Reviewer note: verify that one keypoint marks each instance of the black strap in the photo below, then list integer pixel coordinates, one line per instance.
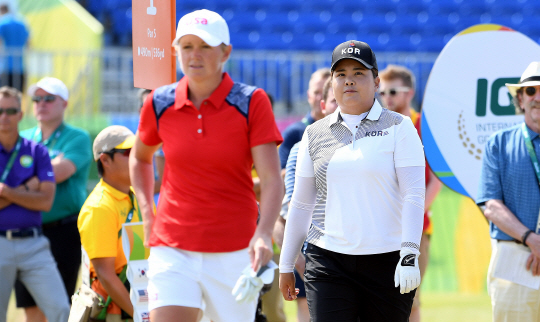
(530, 79)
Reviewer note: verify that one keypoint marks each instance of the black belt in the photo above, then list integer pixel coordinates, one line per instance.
(60, 222)
(21, 233)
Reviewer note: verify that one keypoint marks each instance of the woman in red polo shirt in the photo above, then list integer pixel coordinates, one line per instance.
(213, 130)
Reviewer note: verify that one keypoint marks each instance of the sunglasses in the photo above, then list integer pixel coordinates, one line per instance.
(46, 98)
(530, 91)
(124, 152)
(9, 110)
(394, 91)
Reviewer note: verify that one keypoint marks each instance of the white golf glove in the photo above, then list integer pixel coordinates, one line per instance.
(407, 271)
(249, 284)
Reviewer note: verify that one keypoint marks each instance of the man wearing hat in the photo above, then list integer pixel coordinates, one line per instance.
(70, 152)
(109, 205)
(509, 191)
(359, 200)
(26, 189)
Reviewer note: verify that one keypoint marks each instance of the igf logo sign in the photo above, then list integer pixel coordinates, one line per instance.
(496, 108)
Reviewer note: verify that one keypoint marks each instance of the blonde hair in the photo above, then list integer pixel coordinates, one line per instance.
(6, 91)
(392, 72)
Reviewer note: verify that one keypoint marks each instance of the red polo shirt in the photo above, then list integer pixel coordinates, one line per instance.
(207, 203)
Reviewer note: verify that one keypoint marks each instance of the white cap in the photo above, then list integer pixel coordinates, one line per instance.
(205, 24)
(52, 86)
(530, 77)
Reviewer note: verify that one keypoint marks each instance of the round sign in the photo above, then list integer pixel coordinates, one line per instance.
(466, 100)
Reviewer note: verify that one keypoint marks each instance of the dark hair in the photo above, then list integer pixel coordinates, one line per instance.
(271, 100)
(374, 72)
(141, 93)
(4, 9)
(100, 168)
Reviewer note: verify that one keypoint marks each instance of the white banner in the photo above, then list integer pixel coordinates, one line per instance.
(466, 100)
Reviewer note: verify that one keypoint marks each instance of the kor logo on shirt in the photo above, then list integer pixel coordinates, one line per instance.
(376, 133)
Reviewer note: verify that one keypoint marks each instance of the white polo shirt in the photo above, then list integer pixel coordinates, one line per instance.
(358, 206)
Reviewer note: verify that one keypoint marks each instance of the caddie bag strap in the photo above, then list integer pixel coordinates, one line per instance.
(103, 313)
(534, 160)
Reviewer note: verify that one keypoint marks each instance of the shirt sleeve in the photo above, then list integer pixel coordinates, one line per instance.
(304, 164)
(79, 150)
(408, 149)
(98, 221)
(44, 170)
(490, 178)
(290, 138)
(298, 222)
(290, 172)
(413, 192)
(148, 129)
(262, 124)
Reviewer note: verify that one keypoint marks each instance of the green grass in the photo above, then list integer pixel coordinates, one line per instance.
(439, 307)
(451, 307)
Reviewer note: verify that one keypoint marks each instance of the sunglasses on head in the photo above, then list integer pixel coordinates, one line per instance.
(9, 110)
(124, 152)
(46, 98)
(530, 91)
(393, 91)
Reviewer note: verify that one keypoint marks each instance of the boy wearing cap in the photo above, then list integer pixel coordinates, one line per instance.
(509, 190)
(359, 200)
(213, 130)
(70, 152)
(26, 189)
(108, 206)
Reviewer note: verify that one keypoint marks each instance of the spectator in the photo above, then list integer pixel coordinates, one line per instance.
(14, 35)
(359, 191)
(328, 106)
(397, 92)
(70, 152)
(509, 190)
(108, 206)
(213, 130)
(26, 189)
(293, 133)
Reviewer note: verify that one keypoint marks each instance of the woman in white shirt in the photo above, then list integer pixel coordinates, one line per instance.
(359, 199)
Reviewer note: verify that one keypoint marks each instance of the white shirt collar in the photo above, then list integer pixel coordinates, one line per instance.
(373, 114)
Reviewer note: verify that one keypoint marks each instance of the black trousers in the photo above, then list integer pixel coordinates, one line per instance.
(354, 288)
(66, 249)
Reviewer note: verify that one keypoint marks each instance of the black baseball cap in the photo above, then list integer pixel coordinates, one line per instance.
(357, 50)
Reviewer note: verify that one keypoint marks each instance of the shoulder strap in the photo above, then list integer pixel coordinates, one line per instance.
(134, 208)
(103, 312)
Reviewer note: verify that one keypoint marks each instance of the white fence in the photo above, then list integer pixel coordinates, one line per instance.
(102, 82)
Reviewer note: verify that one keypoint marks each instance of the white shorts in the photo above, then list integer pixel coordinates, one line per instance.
(183, 278)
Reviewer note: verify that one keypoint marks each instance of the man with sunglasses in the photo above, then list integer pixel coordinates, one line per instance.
(111, 204)
(70, 152)
(396, 93)
(26, 190)
(510, 192)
